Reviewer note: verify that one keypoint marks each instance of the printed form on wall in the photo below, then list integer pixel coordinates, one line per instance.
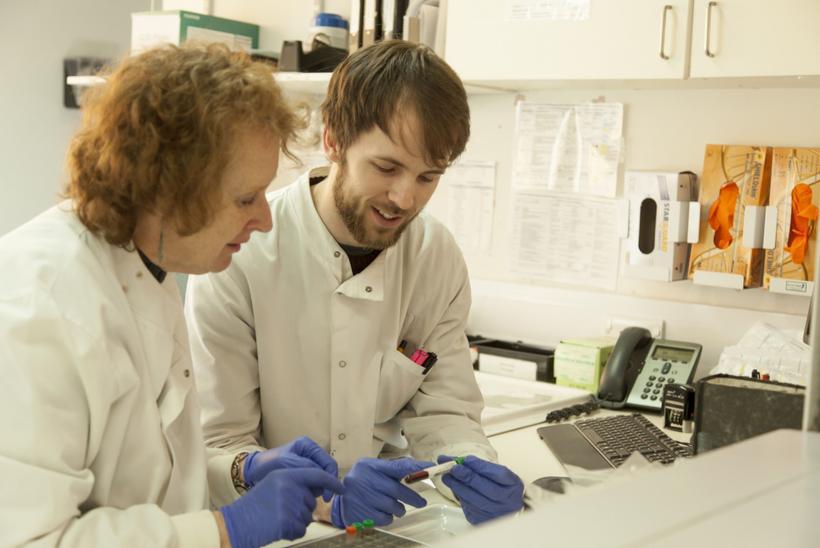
(547, 10)
(566, 239)
(566, 225)
(465, 202)
(568, 148)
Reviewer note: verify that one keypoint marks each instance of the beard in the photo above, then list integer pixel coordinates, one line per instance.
(355, 212)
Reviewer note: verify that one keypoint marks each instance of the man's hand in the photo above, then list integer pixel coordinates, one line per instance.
(484, 489)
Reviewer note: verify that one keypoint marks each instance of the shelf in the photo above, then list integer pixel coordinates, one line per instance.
(310, 83)
(84, 81)
(315, 83)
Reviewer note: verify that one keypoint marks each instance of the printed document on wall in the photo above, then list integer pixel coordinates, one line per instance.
(547, 10)
(568, 148)
(465, 201)
(566, 239)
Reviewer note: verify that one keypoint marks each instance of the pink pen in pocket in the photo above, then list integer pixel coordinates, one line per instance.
(419, 357)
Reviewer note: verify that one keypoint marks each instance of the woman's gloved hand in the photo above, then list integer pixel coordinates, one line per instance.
(280, 506)
(300, 453)
(485, 490)
(373, 490)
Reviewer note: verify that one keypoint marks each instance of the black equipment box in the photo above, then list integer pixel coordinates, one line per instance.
(729, 409)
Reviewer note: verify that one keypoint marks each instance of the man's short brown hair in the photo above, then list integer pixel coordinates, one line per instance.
(376, 83)
(158, 136)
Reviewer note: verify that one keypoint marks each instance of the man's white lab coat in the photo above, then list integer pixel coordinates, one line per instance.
(100, 441)
(287, 342)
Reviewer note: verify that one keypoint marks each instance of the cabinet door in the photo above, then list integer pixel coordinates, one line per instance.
(621, 39)
(756, 38)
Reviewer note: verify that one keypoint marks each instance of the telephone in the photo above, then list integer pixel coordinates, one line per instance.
(640, 366)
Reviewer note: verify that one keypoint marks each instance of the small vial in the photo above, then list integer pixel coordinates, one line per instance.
(432, 471)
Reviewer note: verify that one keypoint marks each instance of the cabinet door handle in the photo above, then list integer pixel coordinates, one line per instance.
(666, 9)
(709, 7)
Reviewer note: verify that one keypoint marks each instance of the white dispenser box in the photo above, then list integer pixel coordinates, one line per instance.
(661, 224)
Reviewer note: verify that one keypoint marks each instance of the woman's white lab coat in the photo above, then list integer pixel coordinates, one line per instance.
(288, 342)
(100, 442)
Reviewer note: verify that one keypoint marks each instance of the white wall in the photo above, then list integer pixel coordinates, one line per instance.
(664, 129)
(35, 128)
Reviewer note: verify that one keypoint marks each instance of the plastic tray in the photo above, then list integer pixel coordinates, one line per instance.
(431, 524)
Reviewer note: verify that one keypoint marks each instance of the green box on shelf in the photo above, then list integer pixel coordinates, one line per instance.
(152, 28)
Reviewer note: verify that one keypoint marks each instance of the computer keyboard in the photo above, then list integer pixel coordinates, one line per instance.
(619, 436)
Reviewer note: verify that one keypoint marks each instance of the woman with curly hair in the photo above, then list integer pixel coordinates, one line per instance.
(101, 441)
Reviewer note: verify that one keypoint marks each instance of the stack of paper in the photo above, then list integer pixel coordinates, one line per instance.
(782, 355)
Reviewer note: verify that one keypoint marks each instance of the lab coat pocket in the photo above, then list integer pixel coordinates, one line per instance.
(399, 380)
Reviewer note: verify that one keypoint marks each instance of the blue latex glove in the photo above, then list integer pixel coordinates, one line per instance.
(279, 507)
(373, 490)
(300, 453)
(485, 490)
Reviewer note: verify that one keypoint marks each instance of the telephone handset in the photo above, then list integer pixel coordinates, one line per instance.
(640, 366)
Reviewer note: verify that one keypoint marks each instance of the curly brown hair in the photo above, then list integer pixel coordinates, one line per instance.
(374, 84)
(158, 135)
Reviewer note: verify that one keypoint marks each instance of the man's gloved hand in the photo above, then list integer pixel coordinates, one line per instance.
(300, 453)
(279, 507)
(373, 490)
(484, 489)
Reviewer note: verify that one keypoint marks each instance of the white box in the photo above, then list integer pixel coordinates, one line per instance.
(657, 247)
(152, 28)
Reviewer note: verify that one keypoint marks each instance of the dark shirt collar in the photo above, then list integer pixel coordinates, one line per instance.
(355, 251)
(158, 273)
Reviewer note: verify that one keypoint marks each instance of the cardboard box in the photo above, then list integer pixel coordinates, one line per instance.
(580, 362)
(657, 247)
(736, 265)
(152, 28)
(791, 166)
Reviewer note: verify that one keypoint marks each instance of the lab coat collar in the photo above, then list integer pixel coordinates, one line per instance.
(368, 284)
(137, 282)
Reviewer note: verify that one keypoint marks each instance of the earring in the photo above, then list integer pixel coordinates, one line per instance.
(161, 248)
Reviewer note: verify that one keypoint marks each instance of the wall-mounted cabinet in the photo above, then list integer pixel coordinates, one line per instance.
(624, 39)
(635, 41)
(752, 38)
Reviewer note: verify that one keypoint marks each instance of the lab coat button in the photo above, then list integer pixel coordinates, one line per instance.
(336, 254)
(368, 289)
(342, 363)
(125, 288)
(342, 436)
(139, 274)
(332, 452)
(187, 373)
